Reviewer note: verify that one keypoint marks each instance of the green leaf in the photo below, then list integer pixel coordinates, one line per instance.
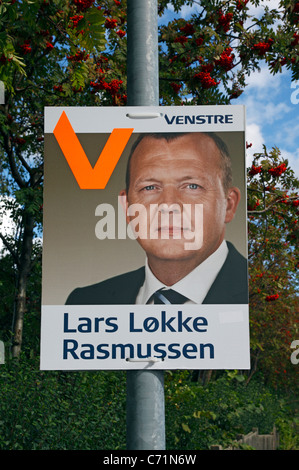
(93, 38)
(186, 427)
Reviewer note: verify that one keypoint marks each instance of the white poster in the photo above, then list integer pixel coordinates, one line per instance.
(145, 242)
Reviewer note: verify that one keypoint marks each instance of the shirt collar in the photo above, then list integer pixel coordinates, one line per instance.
(195, 285)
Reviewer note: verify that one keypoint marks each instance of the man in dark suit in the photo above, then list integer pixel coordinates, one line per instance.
(167, 172)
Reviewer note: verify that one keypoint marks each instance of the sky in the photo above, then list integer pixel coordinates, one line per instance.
(271, 101)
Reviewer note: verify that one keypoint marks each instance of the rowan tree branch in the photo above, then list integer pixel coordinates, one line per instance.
(266, 209)
(12, 161)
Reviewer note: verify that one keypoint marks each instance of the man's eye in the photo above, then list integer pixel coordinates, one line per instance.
(150, 187)
(193, 186)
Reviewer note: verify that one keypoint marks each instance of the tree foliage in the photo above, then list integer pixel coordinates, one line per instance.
(273, 206)
(209, 57)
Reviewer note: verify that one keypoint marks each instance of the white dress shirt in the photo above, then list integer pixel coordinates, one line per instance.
(194, 286)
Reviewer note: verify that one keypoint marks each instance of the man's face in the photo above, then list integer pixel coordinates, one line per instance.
(165, 177)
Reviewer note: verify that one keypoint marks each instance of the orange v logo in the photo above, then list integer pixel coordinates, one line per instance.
(86, 176)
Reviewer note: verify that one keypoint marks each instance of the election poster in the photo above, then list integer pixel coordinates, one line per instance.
(145, 239)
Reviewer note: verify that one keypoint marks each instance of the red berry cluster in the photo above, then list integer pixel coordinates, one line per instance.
(188, 29)
(181, 39)
(206, 68)
(176, 87)
(224, 20)
(254, 170)
(83, 5)
(206, 80)
(270, 298)
(4, 59)
(263, 47)
(26, 47)
(199, 41)
(278, 170)
(241, 4)
(110, 23)
(226, 59)
(120, 33)
(75, 20)
(49, 46)
(295, 41)
(112, 87)
(58, 88)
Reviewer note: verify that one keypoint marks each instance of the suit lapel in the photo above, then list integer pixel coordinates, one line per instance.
(125, 292)
(231, 283)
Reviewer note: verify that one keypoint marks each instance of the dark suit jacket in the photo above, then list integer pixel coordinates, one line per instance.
(229, 287)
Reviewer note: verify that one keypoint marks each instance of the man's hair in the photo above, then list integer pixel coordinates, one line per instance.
(170, 136)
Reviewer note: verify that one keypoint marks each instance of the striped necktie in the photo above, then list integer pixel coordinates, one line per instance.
(168, 296)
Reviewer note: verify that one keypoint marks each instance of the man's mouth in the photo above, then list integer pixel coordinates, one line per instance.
(172, 230)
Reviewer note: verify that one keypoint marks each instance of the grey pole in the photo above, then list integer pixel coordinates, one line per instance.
(142, 53)
(145, 389)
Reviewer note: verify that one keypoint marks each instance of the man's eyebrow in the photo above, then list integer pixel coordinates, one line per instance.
(185, 178)
(192, 178)
(147, 179)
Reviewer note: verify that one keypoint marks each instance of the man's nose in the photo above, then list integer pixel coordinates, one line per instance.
(169, 199)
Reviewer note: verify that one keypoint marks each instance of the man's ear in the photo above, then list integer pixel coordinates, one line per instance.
(124, 201)
(232, 201)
